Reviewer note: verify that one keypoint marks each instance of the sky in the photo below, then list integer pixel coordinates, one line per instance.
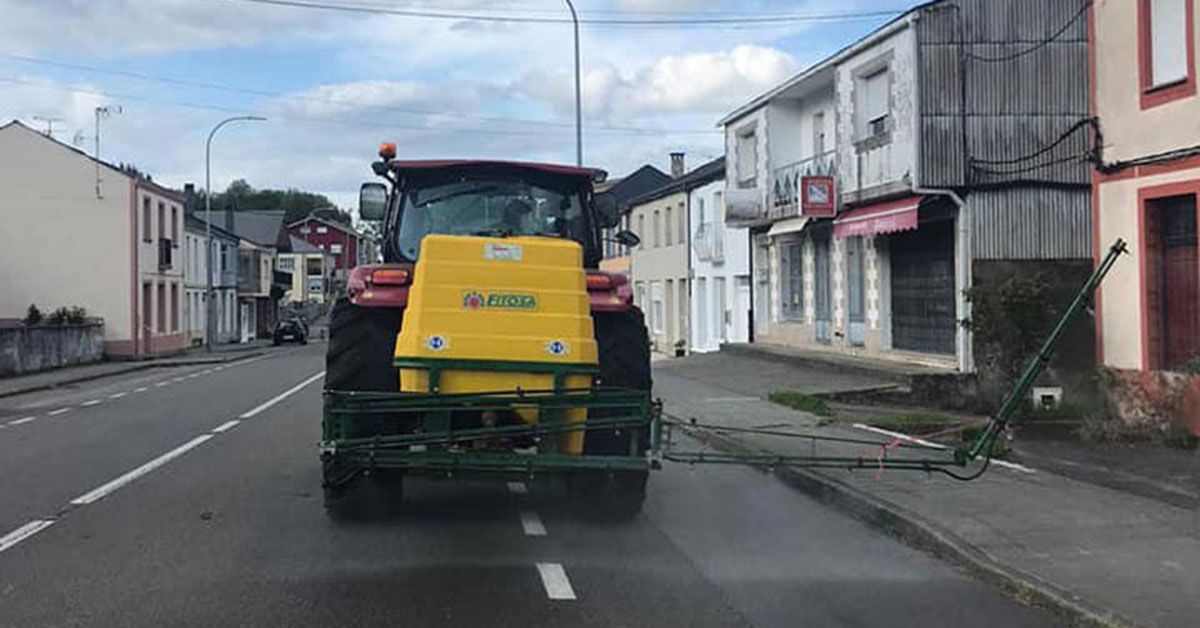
(333, 84)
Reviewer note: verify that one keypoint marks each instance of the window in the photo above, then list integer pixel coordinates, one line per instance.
(162, 220)
(335, 248)
(162, 308)
(287, 264)
(174, 307)
(669, 310)
(305, 230)
(818, 134)
(791, 271)
(313, 267)
(667, 226)
(682, 314)
(322, 229)
(718, 228)
(175, 225)
(146, 233)
(642, 230)
(1166, 51)
(657, 228)
(747, 158)
(872, 104)
(700, 211)
(682, 223)
(656, 307)
(641, 295)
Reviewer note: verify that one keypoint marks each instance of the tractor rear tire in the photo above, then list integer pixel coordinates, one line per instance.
(362, 342)
(624, 348)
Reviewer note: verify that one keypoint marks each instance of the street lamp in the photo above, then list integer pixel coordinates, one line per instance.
(208, 293)
(578, 92)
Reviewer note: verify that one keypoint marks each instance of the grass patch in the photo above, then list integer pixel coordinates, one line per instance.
(800, 401)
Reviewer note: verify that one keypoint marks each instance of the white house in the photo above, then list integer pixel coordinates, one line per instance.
(195, 278)
(720, 269)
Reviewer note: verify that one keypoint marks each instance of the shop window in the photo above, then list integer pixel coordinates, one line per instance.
(1172, 282)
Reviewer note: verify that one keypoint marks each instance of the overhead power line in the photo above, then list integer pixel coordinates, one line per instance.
(170, 80)
(528, 18)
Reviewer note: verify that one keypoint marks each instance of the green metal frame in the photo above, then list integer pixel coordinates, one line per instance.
(884, 458)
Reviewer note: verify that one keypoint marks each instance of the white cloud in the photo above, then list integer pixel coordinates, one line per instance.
(702, 82)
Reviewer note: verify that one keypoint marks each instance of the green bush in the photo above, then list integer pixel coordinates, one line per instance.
(799, 401)
(74, 315)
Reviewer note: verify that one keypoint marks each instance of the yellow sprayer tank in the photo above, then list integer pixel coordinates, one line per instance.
(498, 314)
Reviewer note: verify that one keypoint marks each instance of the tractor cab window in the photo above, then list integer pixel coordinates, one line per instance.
(488, 208)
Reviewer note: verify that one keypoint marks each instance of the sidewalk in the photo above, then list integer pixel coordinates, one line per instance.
(1096, 555)
(44, 380)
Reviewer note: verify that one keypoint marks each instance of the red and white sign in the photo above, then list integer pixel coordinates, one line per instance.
(818, 196)
(888, 217)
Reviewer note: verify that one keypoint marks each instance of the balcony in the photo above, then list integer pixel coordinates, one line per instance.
(785, 184)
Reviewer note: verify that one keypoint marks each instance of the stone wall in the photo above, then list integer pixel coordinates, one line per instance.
(30, 349)
(1153, 403)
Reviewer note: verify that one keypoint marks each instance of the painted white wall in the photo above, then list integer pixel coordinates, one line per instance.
(652, 265)
(892, 162)
(63, 246)
(708, 315)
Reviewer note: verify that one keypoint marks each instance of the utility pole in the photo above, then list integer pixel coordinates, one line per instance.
(578, 92)
(209, 319)
(102, 112)
(49, 124)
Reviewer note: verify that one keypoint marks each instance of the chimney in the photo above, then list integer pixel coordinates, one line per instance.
(189, 198)
(677, 167)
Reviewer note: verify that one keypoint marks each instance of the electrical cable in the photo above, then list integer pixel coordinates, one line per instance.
(1041, 151)
(1038, 46)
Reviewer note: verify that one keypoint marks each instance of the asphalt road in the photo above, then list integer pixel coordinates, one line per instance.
(145, 504)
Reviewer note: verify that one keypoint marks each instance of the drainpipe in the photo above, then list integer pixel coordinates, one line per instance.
(963, 253)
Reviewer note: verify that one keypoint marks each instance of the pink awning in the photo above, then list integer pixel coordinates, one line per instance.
(886, 217)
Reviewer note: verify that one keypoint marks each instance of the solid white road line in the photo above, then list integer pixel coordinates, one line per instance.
(281, 396)
(140, 389)
(925, 443)
(90, 403)
(532, 523)
(554, 579)
(518, 488)
(22, 421)
(24, 532)
(58, 412)
(226, 426)
(117, 395)
(101, 491)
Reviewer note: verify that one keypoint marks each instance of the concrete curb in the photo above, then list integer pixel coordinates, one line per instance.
(131, 368)
(923, 534)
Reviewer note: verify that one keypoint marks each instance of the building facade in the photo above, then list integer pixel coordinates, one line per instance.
(311, 270)
(195, 273)
(720, 269)
(617, 258)
(1148, 181)
(882, 182)
(115, 237)
(340, 241)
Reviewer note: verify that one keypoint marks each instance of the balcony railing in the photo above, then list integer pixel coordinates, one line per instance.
(785, 184)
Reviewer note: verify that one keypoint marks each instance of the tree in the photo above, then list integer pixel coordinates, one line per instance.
(296, 204)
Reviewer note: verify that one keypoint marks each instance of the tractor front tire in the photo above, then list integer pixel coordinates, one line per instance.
(624, 348)
(362, 341)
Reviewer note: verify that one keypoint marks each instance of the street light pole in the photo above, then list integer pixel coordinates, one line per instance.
(578, 91)
(208, 256)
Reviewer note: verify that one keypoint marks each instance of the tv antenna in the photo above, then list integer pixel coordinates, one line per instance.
(102, 112)
(49, 122)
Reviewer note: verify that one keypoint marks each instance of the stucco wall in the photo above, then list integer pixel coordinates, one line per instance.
(734, 264)
(1128, 130)
(63, 246)
(1121, 306)
(31, 349)
(650, 263)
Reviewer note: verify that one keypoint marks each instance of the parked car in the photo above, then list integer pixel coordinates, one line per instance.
(291, 329)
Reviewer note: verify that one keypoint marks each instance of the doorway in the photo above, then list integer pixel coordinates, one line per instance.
(821, 300)
(1173, 282)
(856, 327)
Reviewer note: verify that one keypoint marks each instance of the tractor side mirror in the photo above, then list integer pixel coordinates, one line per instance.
(608, 215)
(627, 238)
(372, 201)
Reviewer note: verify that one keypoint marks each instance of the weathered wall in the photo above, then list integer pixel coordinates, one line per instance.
(30, 349)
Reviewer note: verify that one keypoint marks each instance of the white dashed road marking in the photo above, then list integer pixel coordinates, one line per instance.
(226, 426)
(161, 384)
(93, 402)
(58, 412)
(518, 488)
(554, 579)
(24, 532)
(532, 524)
(140, 389)
(117, 395)
(22, 421)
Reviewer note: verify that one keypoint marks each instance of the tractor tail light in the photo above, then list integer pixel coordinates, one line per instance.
(599, 283)
(391, 277)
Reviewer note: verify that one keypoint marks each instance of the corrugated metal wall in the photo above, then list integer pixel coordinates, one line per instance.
(1013, 108)
(1031, 223)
